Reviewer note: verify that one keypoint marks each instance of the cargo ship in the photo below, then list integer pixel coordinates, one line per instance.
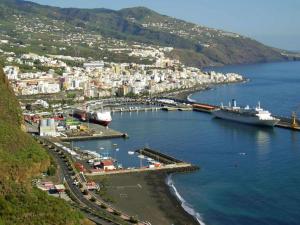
(101, 117)
(203, 107)
(254, 116)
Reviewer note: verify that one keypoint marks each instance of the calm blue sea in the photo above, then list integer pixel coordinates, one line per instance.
(256, 188)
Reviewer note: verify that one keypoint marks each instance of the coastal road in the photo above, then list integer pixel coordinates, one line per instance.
(90, 207)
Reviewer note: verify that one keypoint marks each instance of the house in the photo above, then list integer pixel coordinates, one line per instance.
(92, 185)
(60, 188)
(46, 186)
(79, 167)
(107, 165)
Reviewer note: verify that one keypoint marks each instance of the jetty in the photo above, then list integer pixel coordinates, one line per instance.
(163, 161)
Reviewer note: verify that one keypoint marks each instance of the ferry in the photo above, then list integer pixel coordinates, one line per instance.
(255, 116)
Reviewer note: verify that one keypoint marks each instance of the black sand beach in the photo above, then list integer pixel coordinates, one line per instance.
(147, 197)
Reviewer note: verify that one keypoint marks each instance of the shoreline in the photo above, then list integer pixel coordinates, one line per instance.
(147, 194)
(185, 93)
(191, 211)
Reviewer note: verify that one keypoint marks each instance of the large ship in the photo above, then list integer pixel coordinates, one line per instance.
(254, 116)
(102, 117)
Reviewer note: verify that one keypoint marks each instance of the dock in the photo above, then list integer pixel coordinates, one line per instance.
(169, 164)
(177, 109)
(158, 156)
(120, 110)
(285, 122)
(96, 132)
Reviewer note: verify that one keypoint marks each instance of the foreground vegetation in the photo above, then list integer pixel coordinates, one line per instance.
(20, 160)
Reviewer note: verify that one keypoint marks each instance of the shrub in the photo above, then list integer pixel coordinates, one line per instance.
(103, 206)
(117, 213)
(133, 220)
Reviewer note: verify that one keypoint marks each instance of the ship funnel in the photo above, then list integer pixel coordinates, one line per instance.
(233, 103)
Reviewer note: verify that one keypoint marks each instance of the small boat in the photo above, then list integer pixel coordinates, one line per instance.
(141, 156)
(150, 159)
(120, 166)
(130, 153)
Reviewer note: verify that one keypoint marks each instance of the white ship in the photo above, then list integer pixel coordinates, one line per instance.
(255, 116)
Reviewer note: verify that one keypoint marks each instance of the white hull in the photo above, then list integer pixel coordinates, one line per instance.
(102, 117)
(237, 117)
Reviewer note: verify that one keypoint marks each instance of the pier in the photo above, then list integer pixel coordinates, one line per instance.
(135, 109)
(160, 157)
(169, 164)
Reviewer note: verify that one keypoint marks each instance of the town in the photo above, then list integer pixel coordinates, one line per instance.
(96, 79)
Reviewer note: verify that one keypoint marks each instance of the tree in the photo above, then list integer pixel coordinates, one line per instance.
(51, 171)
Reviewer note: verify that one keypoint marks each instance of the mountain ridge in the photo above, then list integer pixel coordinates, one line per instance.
(209, 47)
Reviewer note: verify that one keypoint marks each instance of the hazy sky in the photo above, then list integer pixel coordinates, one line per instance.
(273, 22)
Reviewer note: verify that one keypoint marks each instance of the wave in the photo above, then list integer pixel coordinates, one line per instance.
(187, 207)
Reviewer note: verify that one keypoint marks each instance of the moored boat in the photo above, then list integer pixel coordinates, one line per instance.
(101, 117)
(254, 116)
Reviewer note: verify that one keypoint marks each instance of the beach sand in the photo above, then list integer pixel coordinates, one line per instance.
(147, 197)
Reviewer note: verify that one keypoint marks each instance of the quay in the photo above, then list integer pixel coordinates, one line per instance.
(177, 108)
(285, 122)
(168, 163)
(93, 137)
(91, 132)
(171, 168)
(135, 109)
(96, 132)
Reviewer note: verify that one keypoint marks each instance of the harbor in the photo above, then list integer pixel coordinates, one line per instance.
(85, 170)
(127, 181)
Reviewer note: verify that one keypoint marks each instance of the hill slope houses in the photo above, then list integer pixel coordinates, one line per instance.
(195, 45)
(21, 159)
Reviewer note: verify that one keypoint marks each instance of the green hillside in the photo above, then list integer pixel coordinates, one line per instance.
(20, 160)
(206, 45)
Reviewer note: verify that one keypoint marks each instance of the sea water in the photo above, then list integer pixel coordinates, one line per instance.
(249, 175)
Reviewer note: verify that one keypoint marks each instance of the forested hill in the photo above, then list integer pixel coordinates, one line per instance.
(20, 160)
(194, 44)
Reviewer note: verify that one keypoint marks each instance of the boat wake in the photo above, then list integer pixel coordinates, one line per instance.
(190, 99)
(188, 208)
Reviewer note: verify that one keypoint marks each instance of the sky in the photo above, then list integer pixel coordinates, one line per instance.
(272, 22)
